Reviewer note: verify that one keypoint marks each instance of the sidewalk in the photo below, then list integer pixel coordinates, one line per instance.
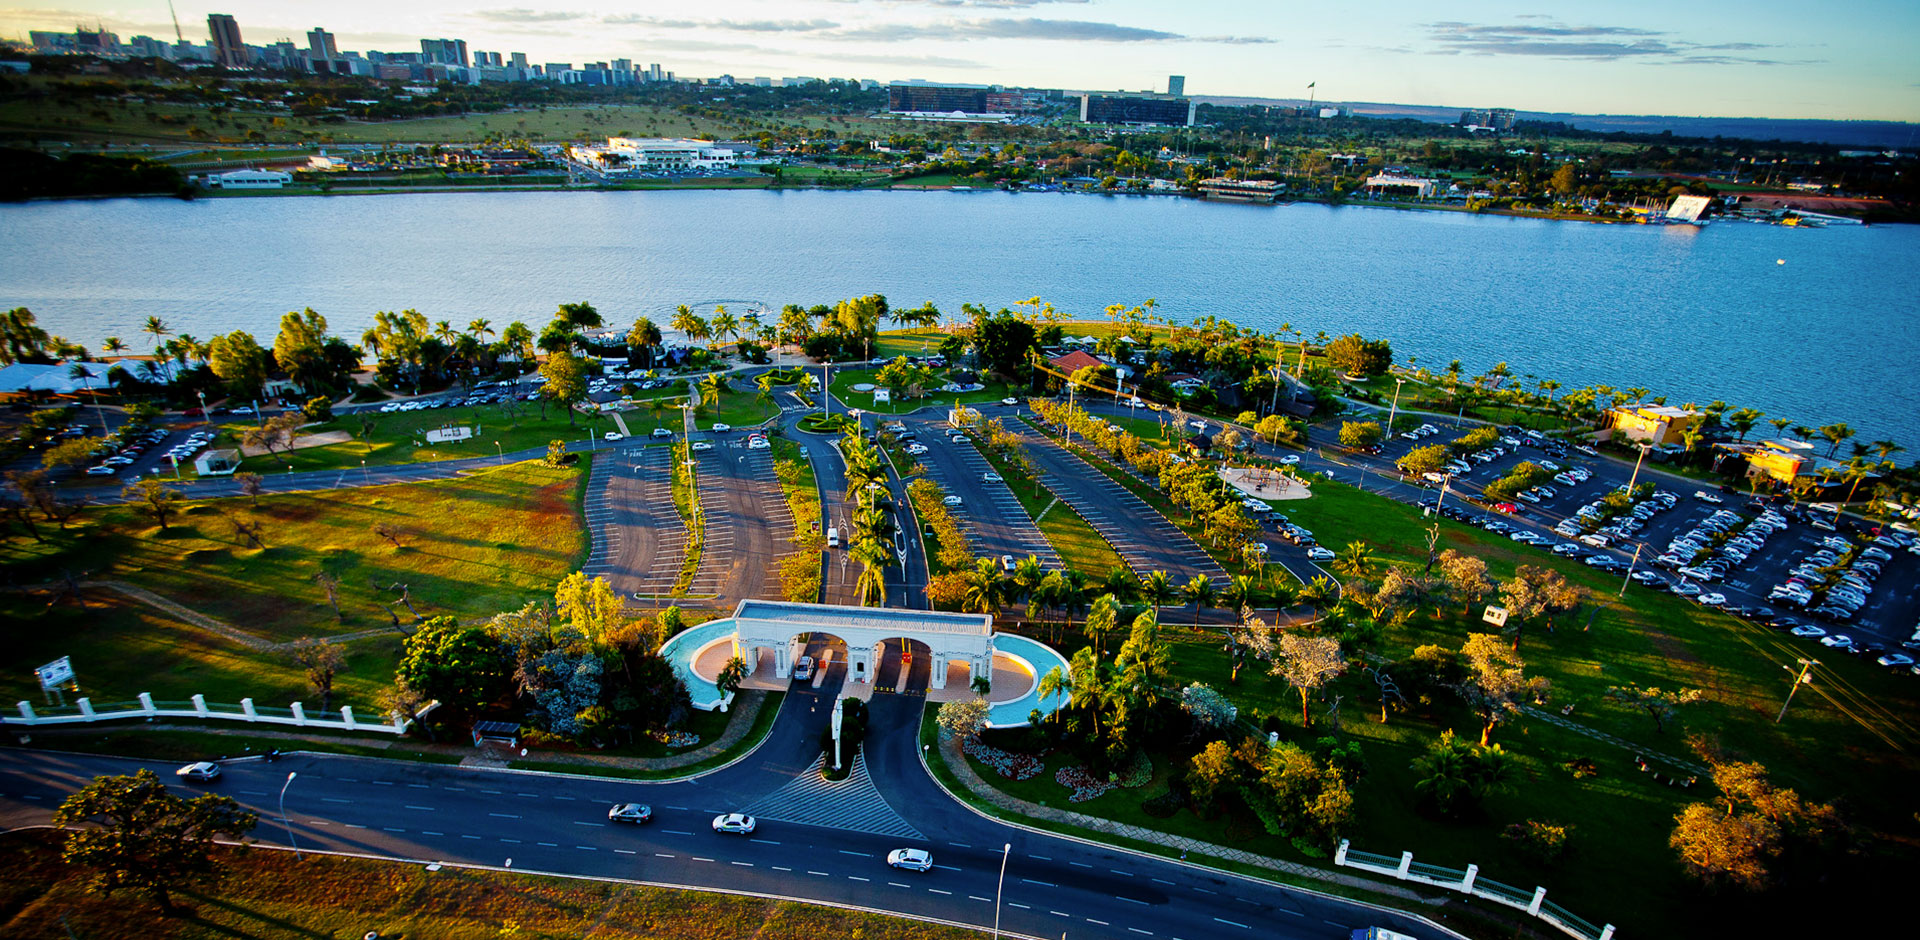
(951, 755)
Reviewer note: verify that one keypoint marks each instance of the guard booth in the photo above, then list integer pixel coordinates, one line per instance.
(499, 732)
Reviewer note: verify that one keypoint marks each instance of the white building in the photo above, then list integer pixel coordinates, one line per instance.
(249, 179)
(1395, 183)
(655, 154)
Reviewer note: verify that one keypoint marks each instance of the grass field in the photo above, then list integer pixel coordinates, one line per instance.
(137, 740)
(468, 547)
(1079, 546)
(741, 408)
(400, 436)
(279, 894)
(1852, 742)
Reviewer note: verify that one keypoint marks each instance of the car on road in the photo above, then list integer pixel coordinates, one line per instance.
(1290, 459)
(1321, 553)
(200, 772)
(757, 443)
(1714, 599)
(702, 445)
(722, 428)
(102, 471)
(613, 436)
(1006, 563)
(738, 823)
(1706, 497)
(803, 668)
(1808, 631)
(1009, 401)
(1895, 660)
(910, 859)
(636, 813)
(952, 501)
(1838, 641)
(990, 477)
(662, 432)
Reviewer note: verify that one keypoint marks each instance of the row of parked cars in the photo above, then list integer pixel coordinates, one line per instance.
(127, 447)
(1593, 515)
(1834, 580)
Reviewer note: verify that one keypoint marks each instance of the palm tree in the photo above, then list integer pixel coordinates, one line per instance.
(81, 372)
(873, 556)
(1201, 592)
(1835, 434)
(1241, 591)
(1886, 448)
(157, 328)
(1284, 595)
(1318, 592)
(1055, 682)
(480, 328)
(725, 325)
(1120, 583)
(656, 406)
(1157, 589)
(985, 589)
(1027, 575)
(112, 345)
(644, 335)
(1356, 560)
(1780, 424)
(1089, 684)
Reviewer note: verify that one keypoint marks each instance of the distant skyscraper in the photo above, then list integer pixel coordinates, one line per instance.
(227, 47)
(445, 51)
(1176, 85)
(519, 59)
(320, 44)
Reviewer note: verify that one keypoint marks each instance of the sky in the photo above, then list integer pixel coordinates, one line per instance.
(1854, 59)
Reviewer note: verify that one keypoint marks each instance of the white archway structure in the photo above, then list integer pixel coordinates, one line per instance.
(778, 626)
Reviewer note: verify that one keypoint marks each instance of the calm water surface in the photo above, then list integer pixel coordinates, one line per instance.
(1831, 334)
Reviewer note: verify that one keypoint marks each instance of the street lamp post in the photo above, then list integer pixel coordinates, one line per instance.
(1005, 850)
(502, 452)
(1391, 412)
(283, 811)
(1801, 678)
(1644, 447)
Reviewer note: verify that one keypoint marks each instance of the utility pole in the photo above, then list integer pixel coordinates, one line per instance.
(1398, 381)
(1629, 578)
(1799, 680)
(1644, 447)
(1005, 850)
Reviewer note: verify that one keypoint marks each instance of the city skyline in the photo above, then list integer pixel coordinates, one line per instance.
(1713, 58)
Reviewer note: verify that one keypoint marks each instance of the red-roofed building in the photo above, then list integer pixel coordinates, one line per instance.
(1074, 361)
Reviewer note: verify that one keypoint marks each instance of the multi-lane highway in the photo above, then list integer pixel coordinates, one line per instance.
(815, 840)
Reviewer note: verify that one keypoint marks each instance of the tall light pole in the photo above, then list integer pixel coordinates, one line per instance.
(1644, 447)
(283, 811)
(1801, 678)
(1398, 381)
(501, 451)
(1005, 850)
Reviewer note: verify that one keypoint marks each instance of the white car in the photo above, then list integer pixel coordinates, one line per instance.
(661, 432)
(1808, 631)
(636, 813)
(102, 471)
(952, 501)
(201, 772)
(1712, 600)
(1006, 563)
(613, 436)
(916, 449)
(990, 477)
(1320, 553)
(1838, 641)
(1706, 497)
(739, 823)
(911, 859)
(803, 668)
(1895, 659)
(1009, 401)
(758, 443)
(702, 445)
(1290, 459)
(722, 428)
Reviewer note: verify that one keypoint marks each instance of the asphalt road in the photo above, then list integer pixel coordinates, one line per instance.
(992, 518)
(815, 840)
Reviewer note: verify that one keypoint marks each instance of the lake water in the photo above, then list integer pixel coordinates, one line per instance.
(1815, 325)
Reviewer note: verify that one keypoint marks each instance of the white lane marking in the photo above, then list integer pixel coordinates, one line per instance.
(938, 891)
(1205, 891)
(1119, 872)
(625, 852)
(381, 783)
(1100, 922)
(1019, 905)
(348, 779)
(861, 854)
(1294, 913)
(699, 859)
(494, 792)
(256, 792)
(664, 855)
(1334, 924)
(1048, 884)
(1134, 900)
(551, 845)
(469, 837)
(1163, 881)
(529, 795)
(504, 815)
(355, 826)
(898, 884)
(454, 789)
(857, 878)
(742, 864)
(1080, 864)
(1138, 930)
(1230, 923)
(764, 841)
(569, 798)
(1043, 858)
(975, 897)
(781, 868)
(328, 799)
(820, 873)
(676, 807)
(1061, 914)
(318, 822)
(947, 867)
(514, 841)
(595, 825)
(677, 832)
(587, 848)
(428, 809)
(960, 845)
(392, 829)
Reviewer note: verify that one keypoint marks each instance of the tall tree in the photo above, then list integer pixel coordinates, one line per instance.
(1307, 663)
(566, 381)
(138, 836)
(321, 660)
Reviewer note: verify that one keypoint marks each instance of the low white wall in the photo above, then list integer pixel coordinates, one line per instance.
(84, 713)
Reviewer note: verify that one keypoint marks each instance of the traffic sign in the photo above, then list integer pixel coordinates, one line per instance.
(55, 674)
(1495, 615)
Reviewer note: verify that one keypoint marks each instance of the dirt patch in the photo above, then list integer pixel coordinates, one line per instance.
(305, 441)
(1671, 649)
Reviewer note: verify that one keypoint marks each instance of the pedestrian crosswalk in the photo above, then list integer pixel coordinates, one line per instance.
(852, 804)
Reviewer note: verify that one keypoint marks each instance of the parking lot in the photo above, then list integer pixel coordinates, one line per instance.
(1889, 605)
(989, 514)
(639, 539)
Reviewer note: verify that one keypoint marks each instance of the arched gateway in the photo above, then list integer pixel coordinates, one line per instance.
(779, 628)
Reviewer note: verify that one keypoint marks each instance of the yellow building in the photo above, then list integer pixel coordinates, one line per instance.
(1654, 424)
(1787, 461)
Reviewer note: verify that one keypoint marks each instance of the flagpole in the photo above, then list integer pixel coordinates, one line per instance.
(1310, 94)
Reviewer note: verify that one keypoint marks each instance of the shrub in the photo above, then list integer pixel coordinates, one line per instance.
(1162, 805)
(1544, 842)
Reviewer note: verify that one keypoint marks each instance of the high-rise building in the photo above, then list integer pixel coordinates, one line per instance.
(1136, 109)
(227, 47)
(1176, 85)
(917, 95)
(444, 51)
(320, 44)
(517, 59)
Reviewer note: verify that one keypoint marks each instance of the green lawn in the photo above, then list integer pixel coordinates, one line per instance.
(741, 408)
(469, 547)
(228, 739)
(1079, 546)
(400, 437)
(909, 343)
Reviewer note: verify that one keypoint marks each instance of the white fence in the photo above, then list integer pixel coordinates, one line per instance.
(1469, 881)
(84, 712)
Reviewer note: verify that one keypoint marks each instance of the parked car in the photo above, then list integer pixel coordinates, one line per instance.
(990, 477)
(1321, 553)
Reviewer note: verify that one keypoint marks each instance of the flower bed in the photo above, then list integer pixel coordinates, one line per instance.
(1085, 785)
(1009, 764)
(676, 739)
